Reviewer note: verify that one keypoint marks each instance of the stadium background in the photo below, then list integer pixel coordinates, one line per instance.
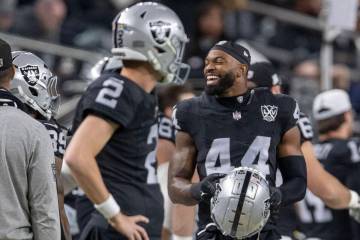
(72, 35)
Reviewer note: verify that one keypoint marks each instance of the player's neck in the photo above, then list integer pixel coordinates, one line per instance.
(234, 92)
(141, 76)
(341, 133)
(5, 85)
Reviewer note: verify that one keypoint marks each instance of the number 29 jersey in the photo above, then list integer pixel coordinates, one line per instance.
(234, 132)
(127, 162)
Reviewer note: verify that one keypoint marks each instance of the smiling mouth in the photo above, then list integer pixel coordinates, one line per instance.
(212, 79)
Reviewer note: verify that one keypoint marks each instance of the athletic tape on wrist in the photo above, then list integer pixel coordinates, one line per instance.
(176, 237)
(109, 208)
(354, 200)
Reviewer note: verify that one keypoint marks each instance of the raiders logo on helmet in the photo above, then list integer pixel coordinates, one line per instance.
(160, 31)
(31, 74)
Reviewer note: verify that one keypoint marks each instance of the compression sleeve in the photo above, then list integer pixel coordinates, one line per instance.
(293, 170)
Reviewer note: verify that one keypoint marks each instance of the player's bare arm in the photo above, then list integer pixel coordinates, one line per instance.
(322, 183)
(164, 151)
(292, 166)
(181, 170)
(87, 142)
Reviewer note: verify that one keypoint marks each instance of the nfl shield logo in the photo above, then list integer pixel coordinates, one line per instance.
(31, 74)
(236, 115)
(269, 112)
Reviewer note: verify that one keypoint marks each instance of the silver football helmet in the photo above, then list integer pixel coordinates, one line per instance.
(34, 84)
(240, 207)
(105, 64)
(152, 32)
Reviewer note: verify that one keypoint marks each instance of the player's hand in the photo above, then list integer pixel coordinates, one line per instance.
(205, 189)
(209, 232)
(275, 200)
(127, 225)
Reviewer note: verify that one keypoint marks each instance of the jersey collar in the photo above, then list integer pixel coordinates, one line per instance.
(8, 99)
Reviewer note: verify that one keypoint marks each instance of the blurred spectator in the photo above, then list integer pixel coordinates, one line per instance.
(85, 19)
(306, 83)
(7, 14)
(304, 86)
(42, 20)
(209, 30)
(309, 7)
(303, 41)
(341, 77)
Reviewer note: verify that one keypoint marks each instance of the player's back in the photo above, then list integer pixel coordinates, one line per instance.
(127, 161)
(339, 157)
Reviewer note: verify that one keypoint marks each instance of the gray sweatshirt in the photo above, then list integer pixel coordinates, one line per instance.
(28, 198)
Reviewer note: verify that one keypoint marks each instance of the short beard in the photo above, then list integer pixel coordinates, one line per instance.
(223, 84)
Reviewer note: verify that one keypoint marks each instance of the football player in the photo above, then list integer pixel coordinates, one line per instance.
(35, 85)
(340, 155)
(178, 219)
(229, 126)
(320, 182)
(112, 152)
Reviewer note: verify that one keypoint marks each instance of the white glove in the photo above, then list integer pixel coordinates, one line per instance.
(354, 206)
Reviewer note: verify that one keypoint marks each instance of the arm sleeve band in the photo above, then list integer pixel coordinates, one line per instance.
(293, 170)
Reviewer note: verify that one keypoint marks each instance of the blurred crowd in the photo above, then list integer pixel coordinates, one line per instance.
(85, 24)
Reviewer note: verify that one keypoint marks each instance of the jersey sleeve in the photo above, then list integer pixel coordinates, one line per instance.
(290, 113)
(166, 129)
(112, 99)
(181, 117)
(305, 127)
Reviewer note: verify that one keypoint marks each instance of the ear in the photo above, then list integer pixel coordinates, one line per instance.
(13, 72)
(168, 112)
(242, 71)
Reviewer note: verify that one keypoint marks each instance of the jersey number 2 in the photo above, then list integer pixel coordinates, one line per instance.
(218, 157)
(111, 90)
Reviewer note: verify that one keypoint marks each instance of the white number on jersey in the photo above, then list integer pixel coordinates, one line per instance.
(305, 127)
(313, 210)
(165, 128)
(150, 161)
(111, 90)
(58, 141)
(354, 149)
(218, 157)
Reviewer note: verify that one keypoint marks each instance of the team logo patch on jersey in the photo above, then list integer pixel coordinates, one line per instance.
(236, 115)
(31, 74)
(160, 31)
(269, 112)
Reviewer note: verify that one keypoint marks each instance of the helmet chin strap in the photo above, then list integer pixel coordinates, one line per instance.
(33, 105)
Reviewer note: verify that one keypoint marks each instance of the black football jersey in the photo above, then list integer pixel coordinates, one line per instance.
(127, 162)
(166, 128)
(342, 159)
(58, 136)
(233, 132)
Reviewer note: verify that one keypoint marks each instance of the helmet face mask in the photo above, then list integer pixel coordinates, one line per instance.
(34, 84)
(152, 32)
(241, 210)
